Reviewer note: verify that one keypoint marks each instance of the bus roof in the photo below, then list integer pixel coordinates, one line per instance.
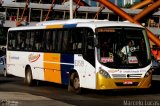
(70, 21)
(93, 23)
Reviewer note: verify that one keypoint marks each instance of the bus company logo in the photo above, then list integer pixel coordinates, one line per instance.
(33, 57)
(13, 57)
(112, 71)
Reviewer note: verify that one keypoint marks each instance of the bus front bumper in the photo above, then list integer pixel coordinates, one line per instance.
(104, 83)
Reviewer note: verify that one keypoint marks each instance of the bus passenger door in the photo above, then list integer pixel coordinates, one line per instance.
(79, 66)
(89, 56)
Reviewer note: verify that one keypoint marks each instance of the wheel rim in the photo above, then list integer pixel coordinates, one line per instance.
(76, 83)
(5, 73)
(28, 77)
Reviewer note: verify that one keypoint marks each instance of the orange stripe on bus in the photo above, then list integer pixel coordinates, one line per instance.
(54, 26)
(52, 71)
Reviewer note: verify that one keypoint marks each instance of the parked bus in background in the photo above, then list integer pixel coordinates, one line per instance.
(81, 53)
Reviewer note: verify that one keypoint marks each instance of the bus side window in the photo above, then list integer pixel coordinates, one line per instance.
(19, 34)
(77, 46)
(53, 40)
(77, 41)
(38, 40)
(90, 46)
(22, 40)
(27, 42)
(12, 41)
(70, 42)
(65, 40)
(32, 40)
(59, 39)
(48, 40)
(46, 43)
(90, 39)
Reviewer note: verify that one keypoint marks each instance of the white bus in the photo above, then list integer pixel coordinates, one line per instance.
(81, 53)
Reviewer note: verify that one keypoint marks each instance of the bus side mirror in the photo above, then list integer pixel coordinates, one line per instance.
(95, 42)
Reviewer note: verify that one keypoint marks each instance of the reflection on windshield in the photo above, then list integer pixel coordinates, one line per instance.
(122, 47)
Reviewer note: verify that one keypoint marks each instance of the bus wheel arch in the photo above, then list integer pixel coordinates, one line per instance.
(74, 82)
(28, 76)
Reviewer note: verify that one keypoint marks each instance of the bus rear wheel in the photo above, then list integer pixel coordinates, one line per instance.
(74, 83)
(28, 77)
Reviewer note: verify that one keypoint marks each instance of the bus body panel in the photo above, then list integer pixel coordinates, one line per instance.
(14, 66)
(134, 78)
(108, 83)
(36, 64)
(124, 73)
(86, 72)
(19, 60)
(67, 64)
(52, 67)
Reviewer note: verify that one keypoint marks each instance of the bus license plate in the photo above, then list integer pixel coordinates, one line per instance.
(127, 82)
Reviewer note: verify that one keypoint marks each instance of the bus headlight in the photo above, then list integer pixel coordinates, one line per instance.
(149, 72)
(104, 73)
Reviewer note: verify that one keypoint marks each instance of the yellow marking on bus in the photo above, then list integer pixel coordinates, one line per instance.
(52, 71)
(54, 26)
(109, 83)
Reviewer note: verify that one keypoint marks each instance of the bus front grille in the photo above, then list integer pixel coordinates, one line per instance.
(119, 75)
(126, 75)
(134, 75)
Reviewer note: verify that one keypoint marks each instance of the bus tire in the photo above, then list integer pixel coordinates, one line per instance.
(74, 83)
(28, 77)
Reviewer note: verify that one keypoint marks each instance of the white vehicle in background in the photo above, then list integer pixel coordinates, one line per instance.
(3, 63)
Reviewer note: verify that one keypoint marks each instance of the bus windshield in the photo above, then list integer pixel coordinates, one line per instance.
(123, 47)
